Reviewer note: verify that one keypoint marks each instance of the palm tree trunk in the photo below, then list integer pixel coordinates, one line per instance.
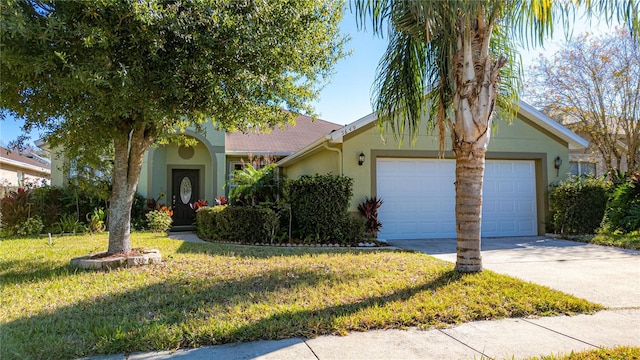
(469, 179)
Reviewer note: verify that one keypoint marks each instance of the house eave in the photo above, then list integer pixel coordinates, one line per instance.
(574, 141)
(22, 165)
(304, 152)
(247, 153)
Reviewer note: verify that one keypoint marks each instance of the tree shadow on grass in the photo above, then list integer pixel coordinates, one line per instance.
(190, 312)
(12, 272)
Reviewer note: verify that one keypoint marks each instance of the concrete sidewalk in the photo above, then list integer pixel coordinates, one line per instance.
(502, 339)
(605, 275)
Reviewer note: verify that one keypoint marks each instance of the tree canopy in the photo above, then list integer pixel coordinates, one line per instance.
(84, 65)
(120, 74)
(592, 85)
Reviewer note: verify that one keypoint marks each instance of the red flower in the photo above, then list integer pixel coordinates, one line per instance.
(221, 200)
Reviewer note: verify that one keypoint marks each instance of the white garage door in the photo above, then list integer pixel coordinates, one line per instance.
(419, 198)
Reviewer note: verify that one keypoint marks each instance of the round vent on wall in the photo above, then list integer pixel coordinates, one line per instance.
(186, 152)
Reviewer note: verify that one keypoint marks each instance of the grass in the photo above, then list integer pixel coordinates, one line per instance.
(627, 241)
(207, 294)
(618, 353)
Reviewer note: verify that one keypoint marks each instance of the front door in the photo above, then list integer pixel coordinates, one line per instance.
(185, 191)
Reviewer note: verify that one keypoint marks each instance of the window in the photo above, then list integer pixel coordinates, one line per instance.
(233, 166)
(578, 168)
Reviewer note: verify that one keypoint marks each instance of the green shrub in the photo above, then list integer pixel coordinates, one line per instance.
(353, 230)
(74, 200)
(207, 222)
(578, 205)
(623, 210)
(33, 226)
(55, 206)
(139, 212)
(48, 206)
(319, 205)
(243, 224)
(70, 224)
(159, 221)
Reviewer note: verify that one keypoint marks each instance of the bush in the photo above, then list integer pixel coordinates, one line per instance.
(70, 224)
(353, 230)
(578, 205)
(16, 209)
(33, 226)
(623, 210)
(369, 210)
(319, 205)
(159, 221)
(139, 212)
(247, 225)
(49, 207)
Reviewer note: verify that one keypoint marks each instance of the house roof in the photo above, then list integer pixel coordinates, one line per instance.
(13, 158)
(282, 142)
(574, 141)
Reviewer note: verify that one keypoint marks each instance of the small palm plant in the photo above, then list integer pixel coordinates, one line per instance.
(369, 209)
(253, 186)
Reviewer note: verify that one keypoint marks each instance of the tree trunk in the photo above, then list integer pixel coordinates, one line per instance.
(129, 151)
(474, 99)
(469, 179)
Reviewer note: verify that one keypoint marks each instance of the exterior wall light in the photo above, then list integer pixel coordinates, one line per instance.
(361, 159)
(556, 164)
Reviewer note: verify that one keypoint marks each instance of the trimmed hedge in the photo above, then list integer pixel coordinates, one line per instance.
(578, 205)
(243, 224)
(319, 205)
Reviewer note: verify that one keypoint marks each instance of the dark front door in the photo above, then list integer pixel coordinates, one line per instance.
(185, 191)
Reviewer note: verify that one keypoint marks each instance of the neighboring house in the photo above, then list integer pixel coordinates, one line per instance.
(589, 161)
(187, 174)
(418, 188)
(17, 170)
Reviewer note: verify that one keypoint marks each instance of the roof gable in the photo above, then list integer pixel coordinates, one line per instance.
(526, 110)
(574, 141)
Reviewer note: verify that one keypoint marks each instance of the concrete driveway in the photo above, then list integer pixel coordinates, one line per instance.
(605, 275)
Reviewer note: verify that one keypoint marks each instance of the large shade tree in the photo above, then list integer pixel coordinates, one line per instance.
(113, 76)
(454, 64)
(592, 85)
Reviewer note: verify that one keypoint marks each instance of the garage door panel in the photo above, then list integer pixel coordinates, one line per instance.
(419, 198)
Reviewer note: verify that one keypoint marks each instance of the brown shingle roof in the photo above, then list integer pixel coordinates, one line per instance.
(281, 141)
(15, 156)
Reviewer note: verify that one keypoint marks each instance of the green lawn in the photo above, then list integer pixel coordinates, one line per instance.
(205, 294)
(618, 353)
(627, 241)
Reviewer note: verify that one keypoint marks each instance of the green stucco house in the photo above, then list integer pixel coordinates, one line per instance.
(417, 187)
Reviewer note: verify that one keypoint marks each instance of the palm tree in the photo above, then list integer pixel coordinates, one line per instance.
(455, 63)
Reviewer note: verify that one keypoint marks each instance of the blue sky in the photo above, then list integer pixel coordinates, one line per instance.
(348, 95)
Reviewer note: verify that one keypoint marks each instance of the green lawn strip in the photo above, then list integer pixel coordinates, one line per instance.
(617, 353)
(627, 241)
(206, 294)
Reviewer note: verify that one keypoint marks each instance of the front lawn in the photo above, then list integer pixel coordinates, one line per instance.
(627, 241)
(206, 294)
(618, 353)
